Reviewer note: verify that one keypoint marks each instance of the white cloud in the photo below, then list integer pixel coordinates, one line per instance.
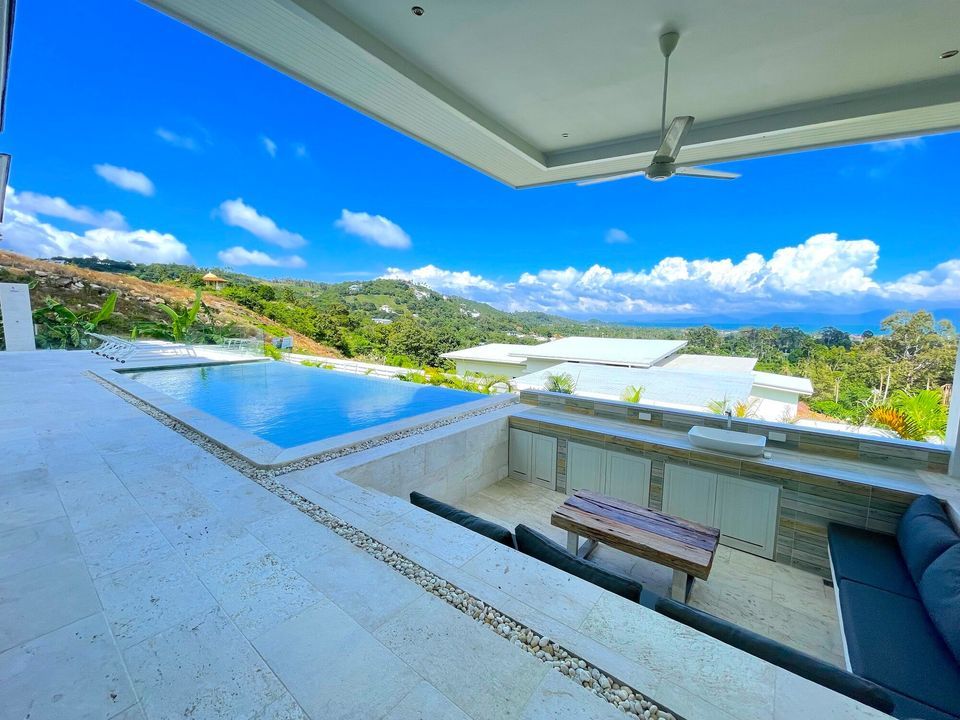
(897, 144)
(269, 145)
(181, 141)
(37, 204)
(238, 214)
(461, 282)
(300, 150)
(24, 233)
(238, 256)
(616, 236)
(823, 273)
(375, 229)
(126, 179)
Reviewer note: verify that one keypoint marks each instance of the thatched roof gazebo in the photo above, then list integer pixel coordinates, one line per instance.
(215, 280)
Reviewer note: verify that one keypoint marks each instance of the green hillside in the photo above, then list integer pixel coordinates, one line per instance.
(384, 320)
(900, 378)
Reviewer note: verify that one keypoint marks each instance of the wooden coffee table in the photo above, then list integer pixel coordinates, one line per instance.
(688, 548)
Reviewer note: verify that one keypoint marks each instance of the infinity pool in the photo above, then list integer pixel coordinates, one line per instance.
(291, 405)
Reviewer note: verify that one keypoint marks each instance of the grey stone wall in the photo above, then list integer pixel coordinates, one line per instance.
(888, 451)
(449, 464)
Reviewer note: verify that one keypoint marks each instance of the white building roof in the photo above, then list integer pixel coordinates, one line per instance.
(607, 351)
(661, 385)
(492, 352)
(800, 385)
(586, 100)
(709, 363)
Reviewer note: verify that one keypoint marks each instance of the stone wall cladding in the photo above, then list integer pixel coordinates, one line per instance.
(899, 453)
(450, 467)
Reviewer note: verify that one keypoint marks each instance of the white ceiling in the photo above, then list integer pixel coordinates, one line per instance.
(496, 83)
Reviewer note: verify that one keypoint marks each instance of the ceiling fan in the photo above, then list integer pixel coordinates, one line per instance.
(671, 138)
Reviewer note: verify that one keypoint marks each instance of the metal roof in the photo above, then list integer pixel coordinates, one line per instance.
(711, 363)
(800, 385)
(491, 352)
(610, 351)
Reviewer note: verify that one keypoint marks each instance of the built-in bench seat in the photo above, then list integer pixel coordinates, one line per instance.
(899, 605)
(470, 521)
(542, 548)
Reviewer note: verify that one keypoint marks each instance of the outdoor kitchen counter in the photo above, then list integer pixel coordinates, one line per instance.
(783, 463)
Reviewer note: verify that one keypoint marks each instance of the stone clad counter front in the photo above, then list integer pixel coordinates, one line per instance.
(805, 500)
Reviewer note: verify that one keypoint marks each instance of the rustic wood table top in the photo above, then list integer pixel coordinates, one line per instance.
(664, 539)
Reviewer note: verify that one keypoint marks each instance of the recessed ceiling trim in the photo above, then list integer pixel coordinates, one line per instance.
(320, 46)
(931, 93)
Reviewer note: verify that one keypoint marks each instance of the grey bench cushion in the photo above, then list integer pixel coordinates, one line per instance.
(940, 593)
(870, 558)
(462, 517)
(910, 709)
(924, 533)
(891, 641)
(775, 653)
(538, 546)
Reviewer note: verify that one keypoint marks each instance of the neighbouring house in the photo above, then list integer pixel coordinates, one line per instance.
(491, 359)
(604, 367)
(214, 281)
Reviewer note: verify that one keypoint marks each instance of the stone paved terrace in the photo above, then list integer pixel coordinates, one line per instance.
(787, 604)
(141, 577)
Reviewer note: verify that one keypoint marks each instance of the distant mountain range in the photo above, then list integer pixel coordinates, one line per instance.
(808, 322)
(399, 295)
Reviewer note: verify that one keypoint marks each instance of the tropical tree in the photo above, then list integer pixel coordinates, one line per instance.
(632, 393)
(913, 416)
(59, 326)
(560, 383)
(738, 408)
(177, 325)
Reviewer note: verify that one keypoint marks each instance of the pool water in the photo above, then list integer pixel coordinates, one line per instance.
(290, 405)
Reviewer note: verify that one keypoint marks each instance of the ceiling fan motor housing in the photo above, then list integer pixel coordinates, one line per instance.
(659, 171)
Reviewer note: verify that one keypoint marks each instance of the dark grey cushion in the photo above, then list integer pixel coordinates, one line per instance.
(775, 653)
(538, 546)
(924, 533)
(910, 709)
(462, 517)
(870, 558)
(891, 641)
(940, 593)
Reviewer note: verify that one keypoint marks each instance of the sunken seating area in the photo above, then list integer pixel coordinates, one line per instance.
(899, 604)
(773, 652)
(540, 547)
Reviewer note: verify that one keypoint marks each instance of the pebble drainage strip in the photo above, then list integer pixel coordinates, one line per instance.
(631, 701)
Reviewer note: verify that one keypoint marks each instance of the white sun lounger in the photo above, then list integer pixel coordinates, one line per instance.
(119, 350)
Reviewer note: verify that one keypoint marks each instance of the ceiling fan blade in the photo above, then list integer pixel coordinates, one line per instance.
(672, 139)
(609, 178)
(704, 173)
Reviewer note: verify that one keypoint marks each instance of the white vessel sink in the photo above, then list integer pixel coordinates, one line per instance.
(728, 441)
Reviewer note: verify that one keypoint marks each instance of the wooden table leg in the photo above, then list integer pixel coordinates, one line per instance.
(681, 586)
(573, 542)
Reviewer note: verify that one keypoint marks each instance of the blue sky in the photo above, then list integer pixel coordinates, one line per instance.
(230, 162)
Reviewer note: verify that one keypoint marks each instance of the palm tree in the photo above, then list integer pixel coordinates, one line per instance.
(913, 416)
(740, 408)
(632, 393)
(560, 383)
